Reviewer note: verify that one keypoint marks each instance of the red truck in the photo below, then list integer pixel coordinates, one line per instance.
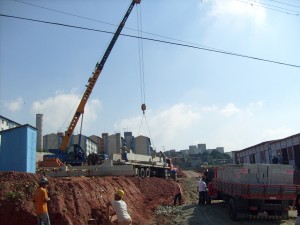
(263, 191)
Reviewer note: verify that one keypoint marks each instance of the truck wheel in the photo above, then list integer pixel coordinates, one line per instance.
(285, 214)
(142, 172)
(208, 200)
(137, 172)
(232, 209)
(165, 174)
(148, 171)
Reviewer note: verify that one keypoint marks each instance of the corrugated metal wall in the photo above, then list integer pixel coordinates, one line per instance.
(18, 149)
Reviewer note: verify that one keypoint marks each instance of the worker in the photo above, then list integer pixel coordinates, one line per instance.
(40, 199)
(173, 174)
(280, 159)
(178, 192)
(120, 209)
(275, 160)
(201, 189)
(297, 207)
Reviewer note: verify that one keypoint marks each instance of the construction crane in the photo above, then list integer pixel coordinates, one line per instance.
(79, 155)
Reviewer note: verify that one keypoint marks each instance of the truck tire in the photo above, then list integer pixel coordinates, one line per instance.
(165, 174)
(148, 172)
(137, 172)
(285, 213)
(93, 159)
(142, 172)
(232, 209)
(208, 199)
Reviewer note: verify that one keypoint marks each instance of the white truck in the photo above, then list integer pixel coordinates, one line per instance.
(145, 166)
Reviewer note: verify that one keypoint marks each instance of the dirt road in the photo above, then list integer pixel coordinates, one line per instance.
(192, 214)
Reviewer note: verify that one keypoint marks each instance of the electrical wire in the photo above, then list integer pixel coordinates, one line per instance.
(270, 7)
(160, 41)
(156, 35)
(87, 18)
(283, 3)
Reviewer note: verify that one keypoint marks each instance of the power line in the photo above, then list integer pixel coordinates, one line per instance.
(275, 6)
(87, 18)
(270, 7)
(66, 13)
(157, 40)
(283, 3)
(144, 32)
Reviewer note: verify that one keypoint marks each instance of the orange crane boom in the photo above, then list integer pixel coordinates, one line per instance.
(92, 80)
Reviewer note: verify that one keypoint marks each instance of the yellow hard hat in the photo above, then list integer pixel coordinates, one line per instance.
(120, 193)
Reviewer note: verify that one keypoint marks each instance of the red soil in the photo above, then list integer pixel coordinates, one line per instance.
(76, 200)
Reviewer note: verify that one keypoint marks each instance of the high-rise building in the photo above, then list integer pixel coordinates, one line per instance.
(143, 145)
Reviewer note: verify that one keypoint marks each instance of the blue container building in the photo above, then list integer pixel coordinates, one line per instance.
(18, 149)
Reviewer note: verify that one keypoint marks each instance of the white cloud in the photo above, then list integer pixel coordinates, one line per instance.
(255, 107)
(277, 133)
(212, 108)
(15, 105)
(176, 127)
(182, 125)
(237, 11)
(229, 110)
(59, 110)
(166, 125)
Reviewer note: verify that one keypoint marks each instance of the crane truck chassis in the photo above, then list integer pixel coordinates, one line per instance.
(130, 164)
(251, 199)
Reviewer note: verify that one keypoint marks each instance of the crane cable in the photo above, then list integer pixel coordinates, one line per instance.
(141, 58)
(142, 69)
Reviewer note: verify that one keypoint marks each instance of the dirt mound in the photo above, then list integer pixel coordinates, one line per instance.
(76, 200)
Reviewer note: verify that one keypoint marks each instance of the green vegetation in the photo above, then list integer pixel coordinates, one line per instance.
(2, 186)
(14, 195)
(215, 157)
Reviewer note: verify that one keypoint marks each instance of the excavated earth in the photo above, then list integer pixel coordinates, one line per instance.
(81, 200)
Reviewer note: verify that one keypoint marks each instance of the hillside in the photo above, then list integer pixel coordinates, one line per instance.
(75, 201)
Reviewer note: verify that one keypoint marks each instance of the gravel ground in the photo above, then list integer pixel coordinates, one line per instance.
(191, 213)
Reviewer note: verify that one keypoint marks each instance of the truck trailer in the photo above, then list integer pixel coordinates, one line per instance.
(120, 164)
(147, 166)
(253, 191)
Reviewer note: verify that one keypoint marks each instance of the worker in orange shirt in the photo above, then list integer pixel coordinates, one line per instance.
(41, 199)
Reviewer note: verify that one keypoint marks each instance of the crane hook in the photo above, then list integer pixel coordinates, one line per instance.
(143, 107)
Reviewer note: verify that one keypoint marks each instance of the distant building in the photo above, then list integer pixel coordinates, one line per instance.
(99, 141)
(143, 145)
(129, 140)
(105, 142)
(6, 123)
(114, 144)
(88, 145)
(220, 149)
(202, 147)
(287, 148)
(53, 141)
(193, 150)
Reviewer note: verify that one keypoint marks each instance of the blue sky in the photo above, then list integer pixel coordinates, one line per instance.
(192, 96)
